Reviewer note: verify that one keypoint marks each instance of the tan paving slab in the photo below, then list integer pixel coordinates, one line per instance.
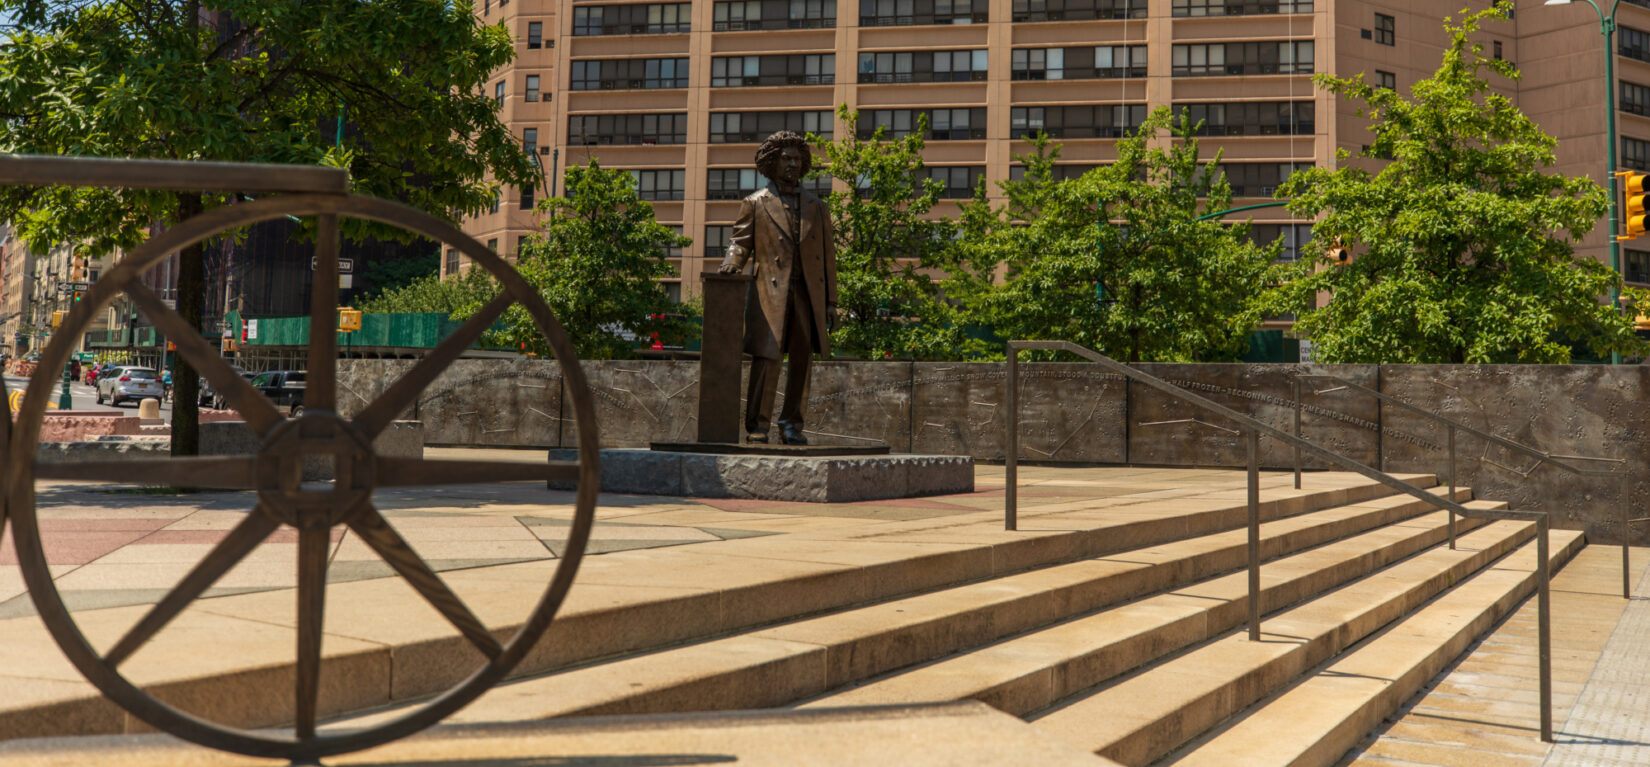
(948, 735)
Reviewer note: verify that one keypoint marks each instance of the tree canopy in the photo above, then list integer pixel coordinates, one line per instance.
(1463, 249)
(1117, 259)
(888, 248)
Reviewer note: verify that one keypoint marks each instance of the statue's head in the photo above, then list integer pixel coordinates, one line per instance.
(773, 150)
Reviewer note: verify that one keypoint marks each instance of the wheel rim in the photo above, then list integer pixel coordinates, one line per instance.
(320, 430)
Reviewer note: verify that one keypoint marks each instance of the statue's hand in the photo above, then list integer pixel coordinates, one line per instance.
(727, 268)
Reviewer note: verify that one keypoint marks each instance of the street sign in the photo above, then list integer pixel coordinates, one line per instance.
(345, 265)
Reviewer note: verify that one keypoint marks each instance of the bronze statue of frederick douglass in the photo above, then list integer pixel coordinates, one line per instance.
(786, 231)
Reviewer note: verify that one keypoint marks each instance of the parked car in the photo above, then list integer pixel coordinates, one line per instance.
(120, 384)
(209, 396)
(285, 388)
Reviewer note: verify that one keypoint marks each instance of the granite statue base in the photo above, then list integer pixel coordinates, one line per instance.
(801, 478)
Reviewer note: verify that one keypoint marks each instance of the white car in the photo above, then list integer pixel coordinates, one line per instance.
(128, 383)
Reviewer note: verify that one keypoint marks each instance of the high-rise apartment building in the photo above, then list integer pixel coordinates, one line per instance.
(681, 93)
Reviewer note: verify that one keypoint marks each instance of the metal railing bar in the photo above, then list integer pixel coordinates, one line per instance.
(179, 175)
(1255, 429)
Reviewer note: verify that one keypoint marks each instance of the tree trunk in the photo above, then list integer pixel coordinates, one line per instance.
(186, 431)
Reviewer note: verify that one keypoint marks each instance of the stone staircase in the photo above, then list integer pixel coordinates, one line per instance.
(1129, 645)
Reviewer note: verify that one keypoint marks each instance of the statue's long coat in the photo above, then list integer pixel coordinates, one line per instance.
(763, 233)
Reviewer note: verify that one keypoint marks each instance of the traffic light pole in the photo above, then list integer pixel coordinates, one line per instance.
(1607, 25)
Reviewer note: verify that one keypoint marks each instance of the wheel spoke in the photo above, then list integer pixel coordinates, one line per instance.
(313, 548)
(243, 539)
(260, 415)
(377, 415)
(402, 472)
(321, 380)
(226, 472)
(378, 534)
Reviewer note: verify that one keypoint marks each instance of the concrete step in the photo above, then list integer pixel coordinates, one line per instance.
(1150, 713)
(800, 659)
(1032, 671)
(1316, 721)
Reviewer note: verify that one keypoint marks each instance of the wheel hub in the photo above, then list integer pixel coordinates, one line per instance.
(313, 442)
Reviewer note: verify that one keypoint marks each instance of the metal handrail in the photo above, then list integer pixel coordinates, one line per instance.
(1517, 447)
(1253, 431)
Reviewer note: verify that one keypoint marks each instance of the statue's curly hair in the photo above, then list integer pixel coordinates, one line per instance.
(768, 153)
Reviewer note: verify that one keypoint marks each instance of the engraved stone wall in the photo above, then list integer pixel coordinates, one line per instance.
(1076, 413)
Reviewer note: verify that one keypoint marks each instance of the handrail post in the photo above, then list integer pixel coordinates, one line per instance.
(1011, 443)
(1297, 381)
(1254, 534)
(1544, 623)
(1451, 486)
(1626, 496)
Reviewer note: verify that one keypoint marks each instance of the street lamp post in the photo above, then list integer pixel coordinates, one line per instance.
(1607, 26)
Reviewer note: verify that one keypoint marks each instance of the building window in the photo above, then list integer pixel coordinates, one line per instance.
(642, 129)
(1078, 10)
(673, 290)
(717, 237)
(1498, 50)
(752, 127)
(1635, 98)
(535, 35)
(660, 184)
(1082, 63)
(1293, 236)
(749, 71)
(1184, 8)
(1112, 121)
(1386, 29)
(1258, 179)
(521, 244)
(1017, 172)
(732, 183)
(1251, 118)
(532, 88)
(530, 140)
(1633, 43)
(498, 92)
(1637, 264)
(497, 195)
(773, 14)
(628, 74)
(958, 181)
(957, 124)
(486, 6)
(1635, 154)
(650, 19)
(492, 244)
(1386, 80)
(905, 13)
(922, 66)
(674, 251)
(527, 197)
(1214, 59)
(452, 261)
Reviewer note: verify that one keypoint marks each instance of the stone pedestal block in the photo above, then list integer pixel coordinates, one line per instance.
(807, 479)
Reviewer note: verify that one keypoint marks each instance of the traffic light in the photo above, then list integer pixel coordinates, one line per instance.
(79, 294)
(349, 320)
(1633, 216)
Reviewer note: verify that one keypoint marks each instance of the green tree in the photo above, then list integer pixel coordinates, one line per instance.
(385, 274)
(597, 264)
(1116, 259)
(1463, 246)
(458, 294)
(888, 246)
(255, 81)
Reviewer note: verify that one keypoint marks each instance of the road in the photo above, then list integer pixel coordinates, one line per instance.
(85, 397)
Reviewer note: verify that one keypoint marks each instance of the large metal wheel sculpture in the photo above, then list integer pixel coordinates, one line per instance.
(274, 472)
